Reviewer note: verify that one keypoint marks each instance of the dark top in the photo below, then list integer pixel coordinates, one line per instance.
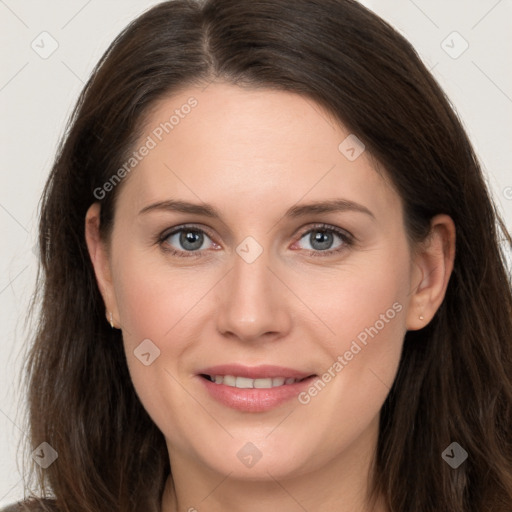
(31, 505)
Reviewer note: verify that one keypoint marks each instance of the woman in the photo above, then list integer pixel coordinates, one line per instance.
(271, 277)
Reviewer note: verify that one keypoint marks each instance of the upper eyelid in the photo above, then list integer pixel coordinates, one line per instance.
(191, 227)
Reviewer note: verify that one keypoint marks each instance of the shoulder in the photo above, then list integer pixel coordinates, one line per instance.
(31, 505)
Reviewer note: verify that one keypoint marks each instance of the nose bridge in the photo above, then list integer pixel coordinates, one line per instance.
(251, 302)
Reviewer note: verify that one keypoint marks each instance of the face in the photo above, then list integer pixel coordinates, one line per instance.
(262, 333)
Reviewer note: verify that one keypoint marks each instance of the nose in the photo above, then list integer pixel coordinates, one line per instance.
(254, 302)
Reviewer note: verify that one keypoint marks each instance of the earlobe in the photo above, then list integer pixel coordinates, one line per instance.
(100, 259)
(433, 264)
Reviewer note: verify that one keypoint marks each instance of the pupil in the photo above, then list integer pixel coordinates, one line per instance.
(191, 237)
(322, 238)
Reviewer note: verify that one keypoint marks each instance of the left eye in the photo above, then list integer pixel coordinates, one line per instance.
(322, 239)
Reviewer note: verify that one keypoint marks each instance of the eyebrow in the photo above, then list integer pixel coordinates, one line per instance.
(207, 210)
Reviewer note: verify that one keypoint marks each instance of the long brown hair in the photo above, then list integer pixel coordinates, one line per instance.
(454, 380)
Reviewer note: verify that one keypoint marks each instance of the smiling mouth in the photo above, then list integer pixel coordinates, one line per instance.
(253, 389)
(247, 383)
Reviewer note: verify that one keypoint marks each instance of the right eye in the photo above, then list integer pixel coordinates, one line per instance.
(185, 239)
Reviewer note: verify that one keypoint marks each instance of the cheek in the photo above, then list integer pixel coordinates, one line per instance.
(364, 308)
(369, 291)
(153, 298)
(153, 303)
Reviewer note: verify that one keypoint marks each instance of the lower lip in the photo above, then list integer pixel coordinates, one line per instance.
(254, 399)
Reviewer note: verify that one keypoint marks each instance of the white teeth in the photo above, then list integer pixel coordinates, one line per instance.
(246, 383)
(263, 383)
(228, 380)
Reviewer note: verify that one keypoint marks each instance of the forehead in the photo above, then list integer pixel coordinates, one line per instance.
(250, 149)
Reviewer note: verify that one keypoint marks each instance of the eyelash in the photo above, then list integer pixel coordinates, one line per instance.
(347, 239)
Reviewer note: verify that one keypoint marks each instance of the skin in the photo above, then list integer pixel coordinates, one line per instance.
(252, 154)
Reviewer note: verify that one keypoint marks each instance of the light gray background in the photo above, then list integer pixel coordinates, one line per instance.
(37, 95)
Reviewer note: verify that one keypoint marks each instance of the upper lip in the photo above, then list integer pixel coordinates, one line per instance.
(254, 372)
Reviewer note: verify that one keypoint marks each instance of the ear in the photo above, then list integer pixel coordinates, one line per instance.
(433, 264)
(100, 258)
